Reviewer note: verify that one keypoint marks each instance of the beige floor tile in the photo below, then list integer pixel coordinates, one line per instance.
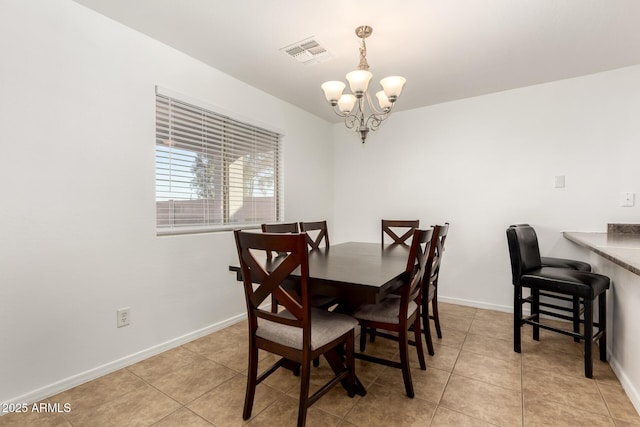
(223, 405)
(99, 391)
(450, 337)
(447, 418)
(483, 401)
(474, 379)
(580, 393)
(188, 382)
(336, 402)
(503, 373)
(163, 363)
(491, 347)
(33, 419)
(457, 323)
(456, 310)
(500, 327)
(551, 341)
(234, 356)
(386, 407)
(619, 404)
(621, 423)
(496, 316)
(217, 341)
(141, 407)
(542, 413)
(428, 385)
(181, 418)
(555, 361)
(282, 379)
(284, 412)
(444, 358)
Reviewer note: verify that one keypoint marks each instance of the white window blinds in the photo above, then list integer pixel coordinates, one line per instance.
(212, 172)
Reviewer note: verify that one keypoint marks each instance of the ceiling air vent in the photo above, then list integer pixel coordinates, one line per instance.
(307, 51)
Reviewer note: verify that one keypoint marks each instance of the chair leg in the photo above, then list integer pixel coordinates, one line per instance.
(588, 338)
(350, 362)
(363, 336)
(304, 392)
(252, 381)
(576, 318)
(316, 362)
(517, 317)
(535, 311)
(418, 338)
(404, 361)
(602, 325)
(426, 326)
(436, 315)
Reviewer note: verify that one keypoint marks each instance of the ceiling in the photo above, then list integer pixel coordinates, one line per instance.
(446, 49)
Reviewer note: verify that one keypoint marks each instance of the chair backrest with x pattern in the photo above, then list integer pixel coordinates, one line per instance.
(323, 233)
(390, 225)
(435, 258)
(269, 275)
(287, 227)
(416, 267)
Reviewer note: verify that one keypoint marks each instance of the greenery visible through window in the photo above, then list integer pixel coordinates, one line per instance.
(212, 172)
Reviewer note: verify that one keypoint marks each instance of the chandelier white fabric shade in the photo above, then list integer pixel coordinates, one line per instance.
(359, 115)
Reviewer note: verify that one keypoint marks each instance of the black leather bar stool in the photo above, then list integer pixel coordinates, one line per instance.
(528, 272)
(576, 308)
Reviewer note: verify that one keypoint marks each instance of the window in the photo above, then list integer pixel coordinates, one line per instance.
(212, 172)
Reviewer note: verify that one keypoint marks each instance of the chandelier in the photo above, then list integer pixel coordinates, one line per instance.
(359, 115)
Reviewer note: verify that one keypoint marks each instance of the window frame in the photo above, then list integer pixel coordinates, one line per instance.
(225, 162)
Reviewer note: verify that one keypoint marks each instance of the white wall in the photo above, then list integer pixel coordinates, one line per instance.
(486, 162)
(77, 220)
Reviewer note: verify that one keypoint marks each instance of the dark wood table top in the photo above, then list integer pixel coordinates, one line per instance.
(355, 271)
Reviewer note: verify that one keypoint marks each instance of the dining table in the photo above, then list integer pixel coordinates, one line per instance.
(354, 273)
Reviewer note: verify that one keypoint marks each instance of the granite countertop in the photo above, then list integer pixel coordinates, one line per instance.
(620, 248)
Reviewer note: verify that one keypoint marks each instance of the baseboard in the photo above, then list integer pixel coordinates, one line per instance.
(476, 304)
(627, 385)
(92, 374)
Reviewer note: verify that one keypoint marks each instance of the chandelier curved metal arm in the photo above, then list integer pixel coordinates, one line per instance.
(360, 116)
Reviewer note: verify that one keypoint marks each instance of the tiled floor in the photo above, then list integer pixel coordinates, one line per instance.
(474, 379)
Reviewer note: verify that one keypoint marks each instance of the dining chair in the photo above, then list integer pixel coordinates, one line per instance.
(320, 301)
(286, 227)
(300, 332)
(576, 308)
(430, 285)
(322, 233)
(528, 272)
(391, 226)
(400, 311)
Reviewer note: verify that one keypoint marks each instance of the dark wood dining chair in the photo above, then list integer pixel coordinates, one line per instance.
(400, 311)
(322, 233)
(391, 226)
(287, 227)
(430, 285)
(298, 334)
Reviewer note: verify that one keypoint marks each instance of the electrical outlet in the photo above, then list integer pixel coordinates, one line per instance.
(627, 199)
(123, 317)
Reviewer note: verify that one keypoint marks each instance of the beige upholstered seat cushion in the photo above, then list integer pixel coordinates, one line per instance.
(326, 326)
(386, 311)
